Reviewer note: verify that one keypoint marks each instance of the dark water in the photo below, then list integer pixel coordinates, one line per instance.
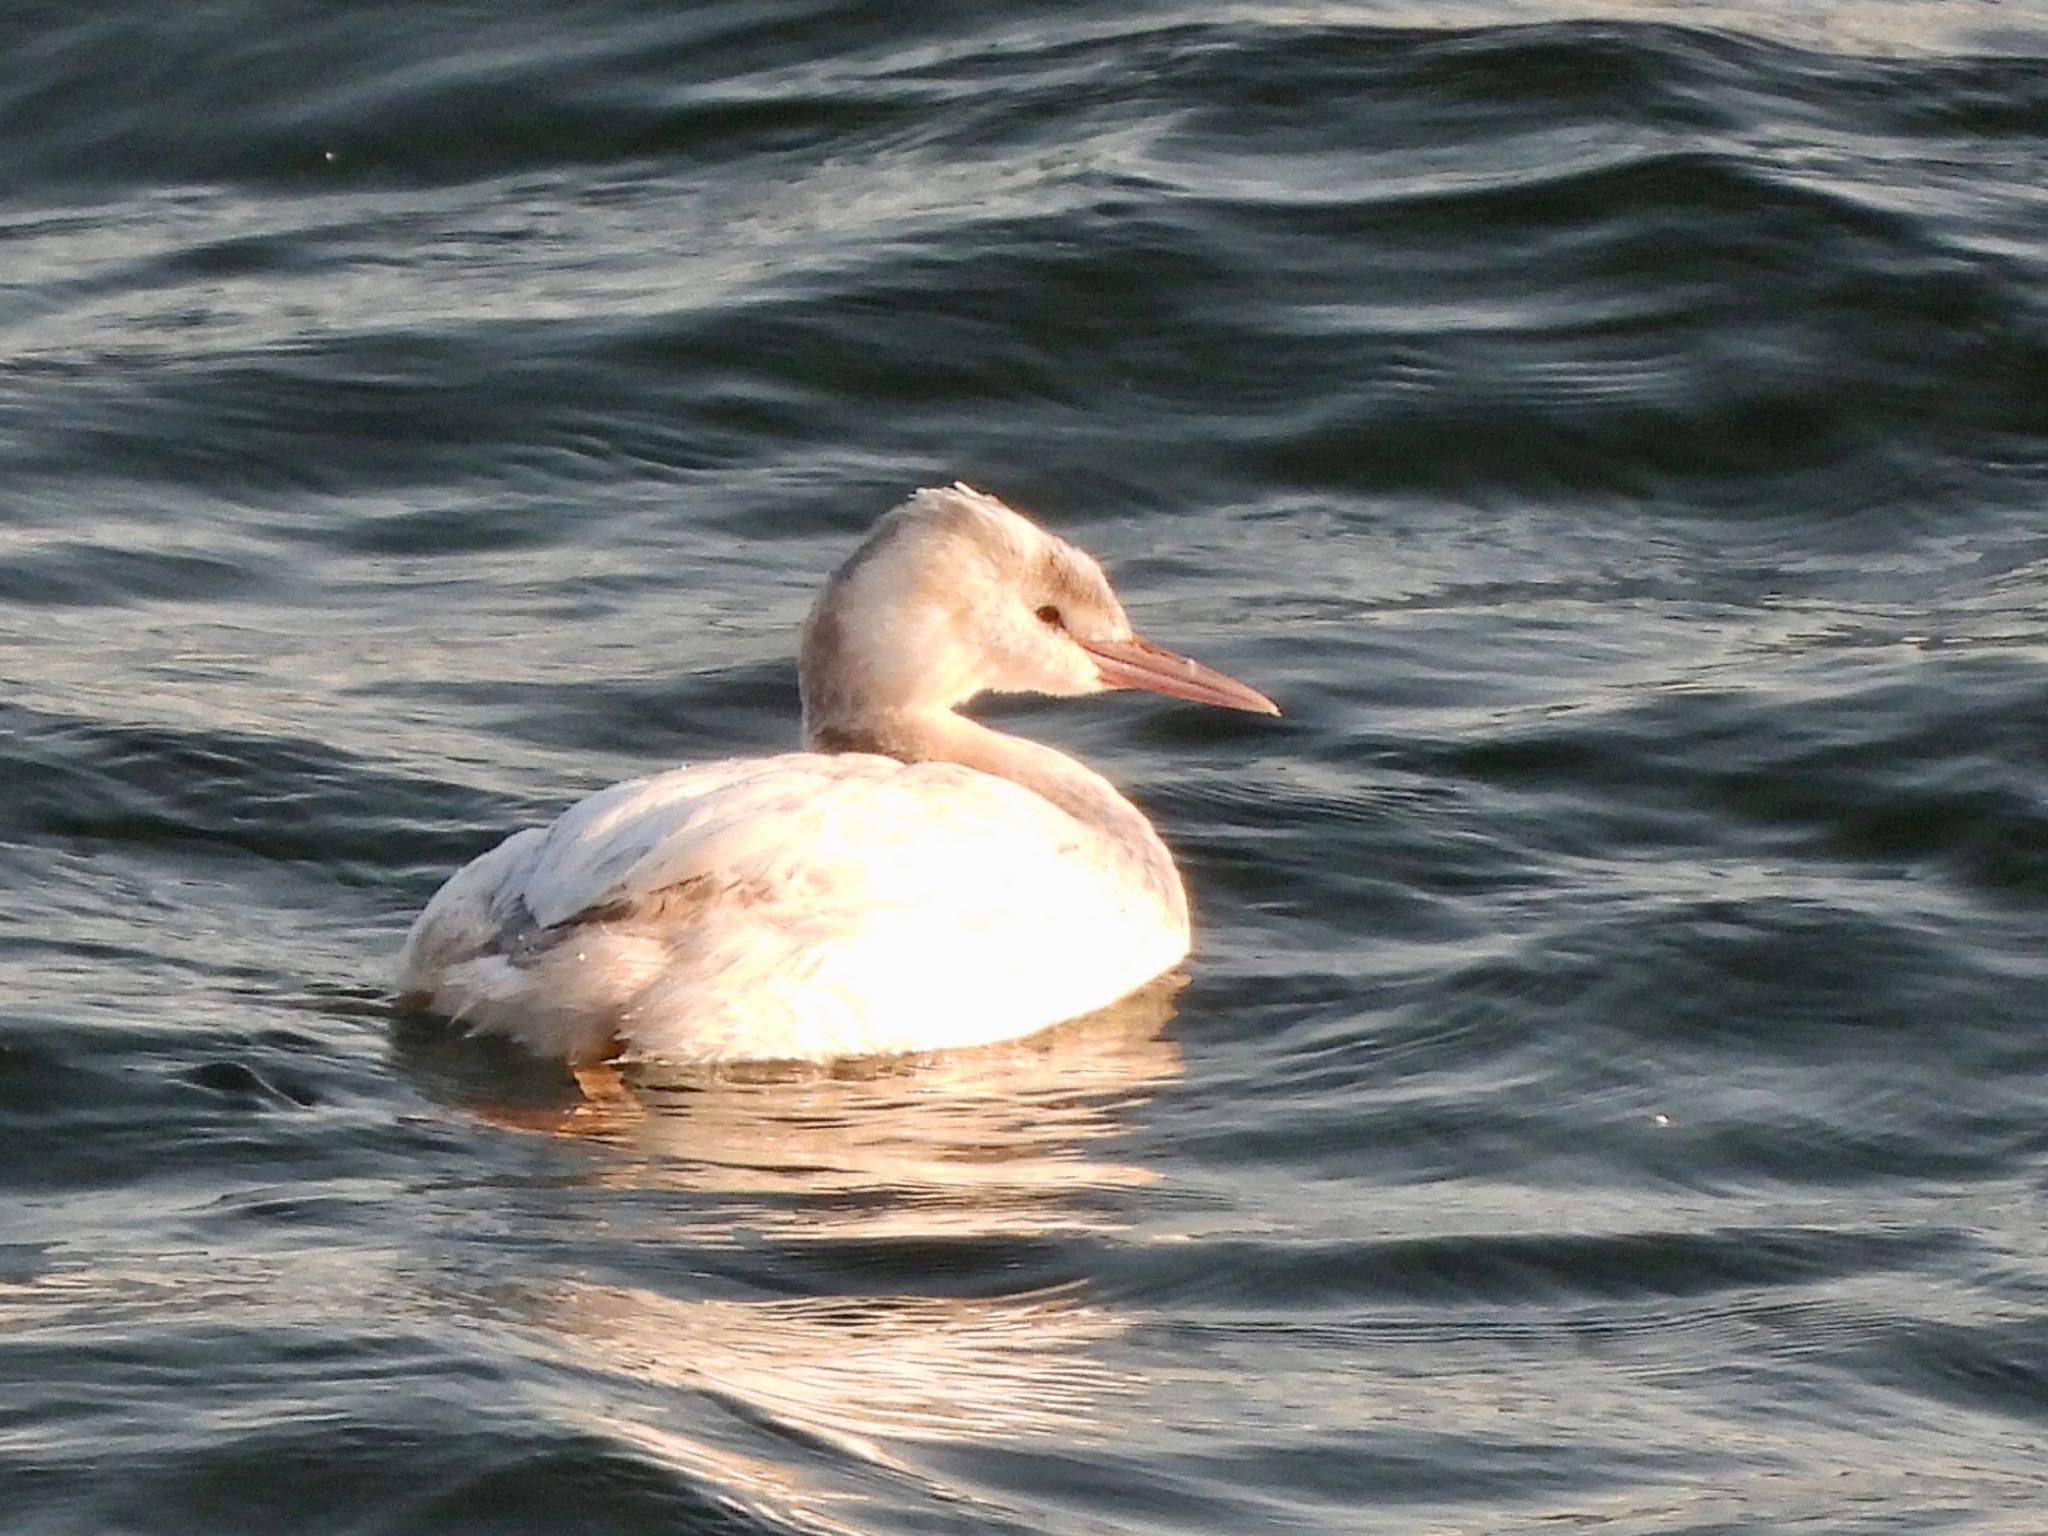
(1611, 1090)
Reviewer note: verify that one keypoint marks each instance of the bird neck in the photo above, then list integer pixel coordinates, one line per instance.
(943, 736)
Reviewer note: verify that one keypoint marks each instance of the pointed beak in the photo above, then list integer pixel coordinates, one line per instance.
(1136, 663)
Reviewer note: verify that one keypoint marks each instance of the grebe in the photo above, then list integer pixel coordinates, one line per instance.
(912, 881)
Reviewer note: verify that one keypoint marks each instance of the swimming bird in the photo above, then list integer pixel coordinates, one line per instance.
(912, 881)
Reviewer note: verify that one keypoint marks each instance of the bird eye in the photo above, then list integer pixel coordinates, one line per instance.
(1051, 616)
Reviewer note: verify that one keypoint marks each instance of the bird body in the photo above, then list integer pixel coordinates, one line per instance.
(917, 882)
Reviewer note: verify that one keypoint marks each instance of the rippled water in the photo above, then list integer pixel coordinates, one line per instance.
(1609, 1090)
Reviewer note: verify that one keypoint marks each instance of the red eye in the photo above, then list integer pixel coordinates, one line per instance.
(1050, 615)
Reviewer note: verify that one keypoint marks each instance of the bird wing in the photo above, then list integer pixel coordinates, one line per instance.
(795, 906)
(845, 830)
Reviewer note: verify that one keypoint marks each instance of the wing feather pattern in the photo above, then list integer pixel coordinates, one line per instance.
(800, 906)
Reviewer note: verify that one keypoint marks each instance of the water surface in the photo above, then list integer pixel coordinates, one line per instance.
(1609, 1087)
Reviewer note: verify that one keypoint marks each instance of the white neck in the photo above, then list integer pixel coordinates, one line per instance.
(1085, 795)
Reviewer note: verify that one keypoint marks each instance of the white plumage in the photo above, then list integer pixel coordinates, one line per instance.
(924, 882)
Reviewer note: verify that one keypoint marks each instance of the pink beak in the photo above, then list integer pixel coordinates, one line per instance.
(1136, 663)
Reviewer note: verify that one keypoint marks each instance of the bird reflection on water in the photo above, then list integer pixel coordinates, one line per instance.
(903, 1217)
